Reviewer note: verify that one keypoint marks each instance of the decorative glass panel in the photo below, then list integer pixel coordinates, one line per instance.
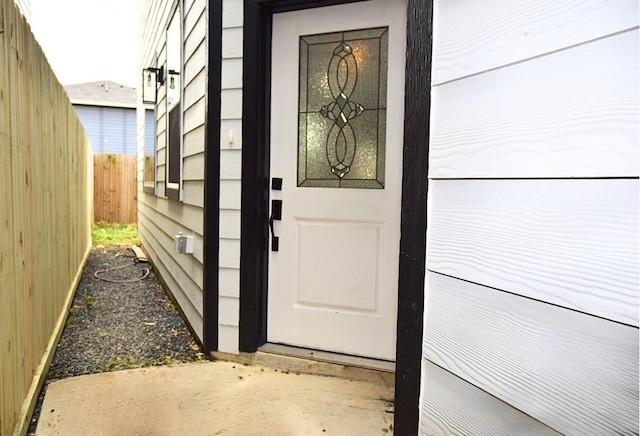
(342, 109)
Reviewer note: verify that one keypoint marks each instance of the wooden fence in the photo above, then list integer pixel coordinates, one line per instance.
(45, 215)
(115, 188)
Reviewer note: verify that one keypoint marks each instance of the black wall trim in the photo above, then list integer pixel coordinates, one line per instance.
(255, 173)
(255, 193)
(414, 216)
(211, 240)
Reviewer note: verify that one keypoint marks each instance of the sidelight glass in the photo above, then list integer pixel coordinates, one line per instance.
(342, 109)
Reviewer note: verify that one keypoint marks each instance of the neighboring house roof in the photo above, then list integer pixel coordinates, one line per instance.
(102, 93)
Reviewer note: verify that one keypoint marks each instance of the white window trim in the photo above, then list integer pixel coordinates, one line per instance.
(177, 13)
(147, 185)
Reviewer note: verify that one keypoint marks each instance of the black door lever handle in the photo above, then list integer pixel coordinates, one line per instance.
(276, 214)
(274, 238)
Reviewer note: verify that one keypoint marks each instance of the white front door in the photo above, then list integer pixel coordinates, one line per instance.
(337, 106)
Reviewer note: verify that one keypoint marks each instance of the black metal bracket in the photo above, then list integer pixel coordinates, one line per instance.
(276, 184)
(276, 209)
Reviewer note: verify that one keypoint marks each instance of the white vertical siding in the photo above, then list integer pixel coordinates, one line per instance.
(230, 171)
(160, 218)
(531, 299)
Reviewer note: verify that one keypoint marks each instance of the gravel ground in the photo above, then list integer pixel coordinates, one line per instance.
(117, 326)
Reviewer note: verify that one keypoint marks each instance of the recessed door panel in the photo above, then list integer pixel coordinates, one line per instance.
(339, 266)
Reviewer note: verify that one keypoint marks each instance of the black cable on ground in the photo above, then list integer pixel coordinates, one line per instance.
(146, 271)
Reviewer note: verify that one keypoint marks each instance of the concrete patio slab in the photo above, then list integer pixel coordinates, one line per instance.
(215, 398)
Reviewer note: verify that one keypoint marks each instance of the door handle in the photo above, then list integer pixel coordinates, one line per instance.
(274, 239)
(276, 214)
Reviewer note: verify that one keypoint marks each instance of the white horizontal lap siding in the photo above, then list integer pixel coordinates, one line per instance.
(474, 37)
(160, 219)
(574, 372)
(531, 299)
(451, 405)
(572, 242)
(193, 142)
(572, 113)
(188, 272)
(230, 174)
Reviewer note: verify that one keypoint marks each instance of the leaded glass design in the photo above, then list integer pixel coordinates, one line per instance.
(342, 109)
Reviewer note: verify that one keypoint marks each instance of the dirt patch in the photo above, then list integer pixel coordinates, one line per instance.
(121, 320)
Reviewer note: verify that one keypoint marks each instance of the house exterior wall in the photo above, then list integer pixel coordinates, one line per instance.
(160, 218)
(531, 298)
(230, 169)
(109, 129)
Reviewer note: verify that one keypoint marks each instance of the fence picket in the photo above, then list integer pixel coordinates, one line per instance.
(114, 181)
(44, 215)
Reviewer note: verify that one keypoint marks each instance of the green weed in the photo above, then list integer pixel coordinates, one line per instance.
(122, 363)
(88, 302)
(104, 233)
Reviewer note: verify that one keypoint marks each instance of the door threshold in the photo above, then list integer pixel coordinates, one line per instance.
(328, 357)
(293, 360)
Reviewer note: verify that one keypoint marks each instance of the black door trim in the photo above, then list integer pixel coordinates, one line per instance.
(413, 227)
(211, 242)
(255, 190)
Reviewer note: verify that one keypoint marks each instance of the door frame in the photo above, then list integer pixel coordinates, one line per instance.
(254, 252)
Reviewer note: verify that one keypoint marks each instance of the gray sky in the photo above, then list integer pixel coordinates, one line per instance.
(89, 40)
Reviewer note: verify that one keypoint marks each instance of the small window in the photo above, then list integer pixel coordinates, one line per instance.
(174, 112)
(149, 151)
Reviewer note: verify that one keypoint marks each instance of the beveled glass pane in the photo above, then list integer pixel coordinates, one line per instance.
(366, 33)
(302, 151)
(302, 100)
(317, 130)
(342, 109)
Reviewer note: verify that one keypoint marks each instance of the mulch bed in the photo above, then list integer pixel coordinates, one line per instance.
(121, 320)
